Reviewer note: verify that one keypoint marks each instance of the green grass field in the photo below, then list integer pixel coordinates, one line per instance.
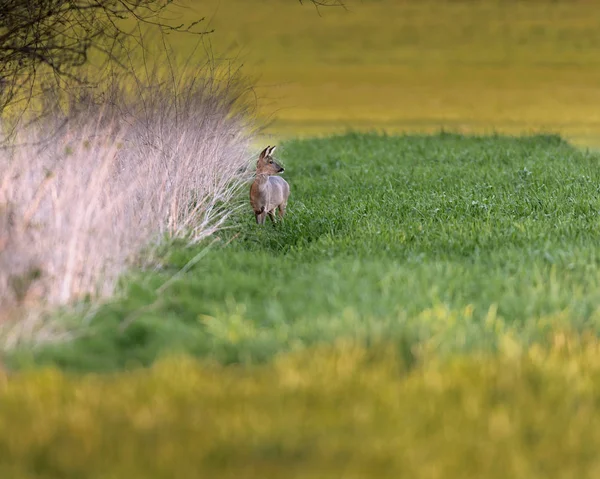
(440, 244)
(429, 308)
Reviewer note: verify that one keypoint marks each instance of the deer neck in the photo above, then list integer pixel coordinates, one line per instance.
(261, 179)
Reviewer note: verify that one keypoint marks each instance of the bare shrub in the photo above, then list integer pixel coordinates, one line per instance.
(162, 159)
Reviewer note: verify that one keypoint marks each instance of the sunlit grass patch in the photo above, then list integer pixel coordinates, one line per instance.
(324, 411)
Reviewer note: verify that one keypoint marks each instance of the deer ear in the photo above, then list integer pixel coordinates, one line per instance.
(272, 150)
(264, 153)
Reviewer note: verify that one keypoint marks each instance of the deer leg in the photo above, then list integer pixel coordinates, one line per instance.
(282, 210)
(272, 215)
(260, 216)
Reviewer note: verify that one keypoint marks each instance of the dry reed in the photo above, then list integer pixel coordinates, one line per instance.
(163, 159)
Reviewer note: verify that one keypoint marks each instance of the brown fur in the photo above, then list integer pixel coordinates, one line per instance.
(268, 192)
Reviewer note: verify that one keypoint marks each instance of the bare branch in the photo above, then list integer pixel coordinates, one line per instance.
(325, 3)
(59, 35)
(42, 40)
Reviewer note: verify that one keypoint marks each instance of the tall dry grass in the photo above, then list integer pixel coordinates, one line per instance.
(82, 193)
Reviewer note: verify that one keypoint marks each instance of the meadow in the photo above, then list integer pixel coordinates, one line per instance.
(428, 307)
(443, 242)
(446, 242)
(322, 413)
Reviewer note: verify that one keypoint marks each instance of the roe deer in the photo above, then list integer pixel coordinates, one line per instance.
(268, 191)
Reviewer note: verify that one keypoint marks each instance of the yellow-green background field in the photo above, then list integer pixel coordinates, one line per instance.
(466, 66)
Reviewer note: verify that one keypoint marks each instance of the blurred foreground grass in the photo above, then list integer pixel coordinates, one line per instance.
(505, 66)
(332, 411)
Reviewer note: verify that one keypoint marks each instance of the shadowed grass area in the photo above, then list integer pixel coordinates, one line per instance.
(440, 244)
(321, 413)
